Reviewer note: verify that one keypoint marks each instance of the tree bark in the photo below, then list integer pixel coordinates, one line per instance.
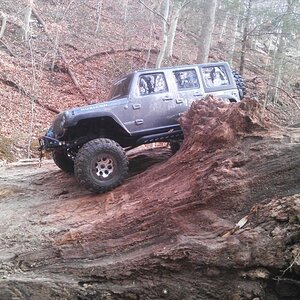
(224, 26)
(173, 26)
(279, 55)
(231, 38)
(165, 26)
(218, 220)
(3, 24)
(205, 33)
(27, 18)
(125, 8)
(150, 41)
(99, 9)
(245, 35)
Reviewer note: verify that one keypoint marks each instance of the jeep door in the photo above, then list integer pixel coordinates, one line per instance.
(218, 81)
(188, 86)
(152, 101)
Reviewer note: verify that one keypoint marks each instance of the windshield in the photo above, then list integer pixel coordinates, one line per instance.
(121, 87)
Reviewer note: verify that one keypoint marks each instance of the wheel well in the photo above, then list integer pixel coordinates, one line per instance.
(98, 127)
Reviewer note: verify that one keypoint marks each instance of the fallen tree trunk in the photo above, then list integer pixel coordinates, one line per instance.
(218, 220)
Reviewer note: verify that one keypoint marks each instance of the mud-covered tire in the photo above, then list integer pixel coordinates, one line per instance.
(63, 161)
(174, 146)
(101, 165)
(239, 83)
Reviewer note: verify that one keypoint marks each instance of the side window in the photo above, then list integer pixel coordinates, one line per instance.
(186, 79)
(152, 83)
(215, 76)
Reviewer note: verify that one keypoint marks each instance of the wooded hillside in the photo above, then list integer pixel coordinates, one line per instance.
(60, 54)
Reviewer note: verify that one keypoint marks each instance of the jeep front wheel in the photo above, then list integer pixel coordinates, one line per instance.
(101, 165)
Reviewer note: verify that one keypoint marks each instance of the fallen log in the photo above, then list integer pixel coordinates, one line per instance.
(218, 220)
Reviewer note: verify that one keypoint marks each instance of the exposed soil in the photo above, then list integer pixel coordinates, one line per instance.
(218, 220)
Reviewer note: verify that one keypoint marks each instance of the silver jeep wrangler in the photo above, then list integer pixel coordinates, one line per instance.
(144, 107)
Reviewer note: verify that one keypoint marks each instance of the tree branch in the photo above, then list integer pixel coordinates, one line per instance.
(155, 12)
(113, 51)
(70, 72)
(7, 48)
(20, 89)
(285, 92)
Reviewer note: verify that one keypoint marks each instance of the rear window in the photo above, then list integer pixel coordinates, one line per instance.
(215, 76)
(186, 79)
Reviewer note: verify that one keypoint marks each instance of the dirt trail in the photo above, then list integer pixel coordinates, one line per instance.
(29, 194)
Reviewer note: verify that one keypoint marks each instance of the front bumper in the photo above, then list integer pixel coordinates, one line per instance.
(49, 143)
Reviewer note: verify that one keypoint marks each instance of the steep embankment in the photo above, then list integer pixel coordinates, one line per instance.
(171, 231)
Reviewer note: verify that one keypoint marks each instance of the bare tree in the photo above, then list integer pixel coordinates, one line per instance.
(280, 52)
(27, 18)
(169, 27)
(206, 30)
(163, 48)
(178, 5)
(224, 26)
(125, 8)
(232, 37)
(245, 35)
(99, 9)
(3, 24)
(33, 97)
(151, 30)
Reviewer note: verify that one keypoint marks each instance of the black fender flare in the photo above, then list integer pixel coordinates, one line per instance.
(97, 115)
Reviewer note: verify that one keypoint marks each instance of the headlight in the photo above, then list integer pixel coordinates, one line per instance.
(58, 125)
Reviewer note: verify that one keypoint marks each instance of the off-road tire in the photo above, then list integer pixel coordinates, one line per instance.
(63, 161)
(174, 146)
(101, 165)
(239, 83)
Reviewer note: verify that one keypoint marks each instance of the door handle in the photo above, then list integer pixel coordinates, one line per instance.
(139, 121)
(167, 98)
(178, 101)
(197, 94)
(136, 106)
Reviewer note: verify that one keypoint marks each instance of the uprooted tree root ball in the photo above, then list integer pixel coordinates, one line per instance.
(218, 220)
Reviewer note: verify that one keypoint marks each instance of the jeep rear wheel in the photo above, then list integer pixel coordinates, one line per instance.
(63, 161)
(101, 165)
(175, 146)
(239, 83)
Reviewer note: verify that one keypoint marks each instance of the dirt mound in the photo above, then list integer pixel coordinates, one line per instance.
(212, 124)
